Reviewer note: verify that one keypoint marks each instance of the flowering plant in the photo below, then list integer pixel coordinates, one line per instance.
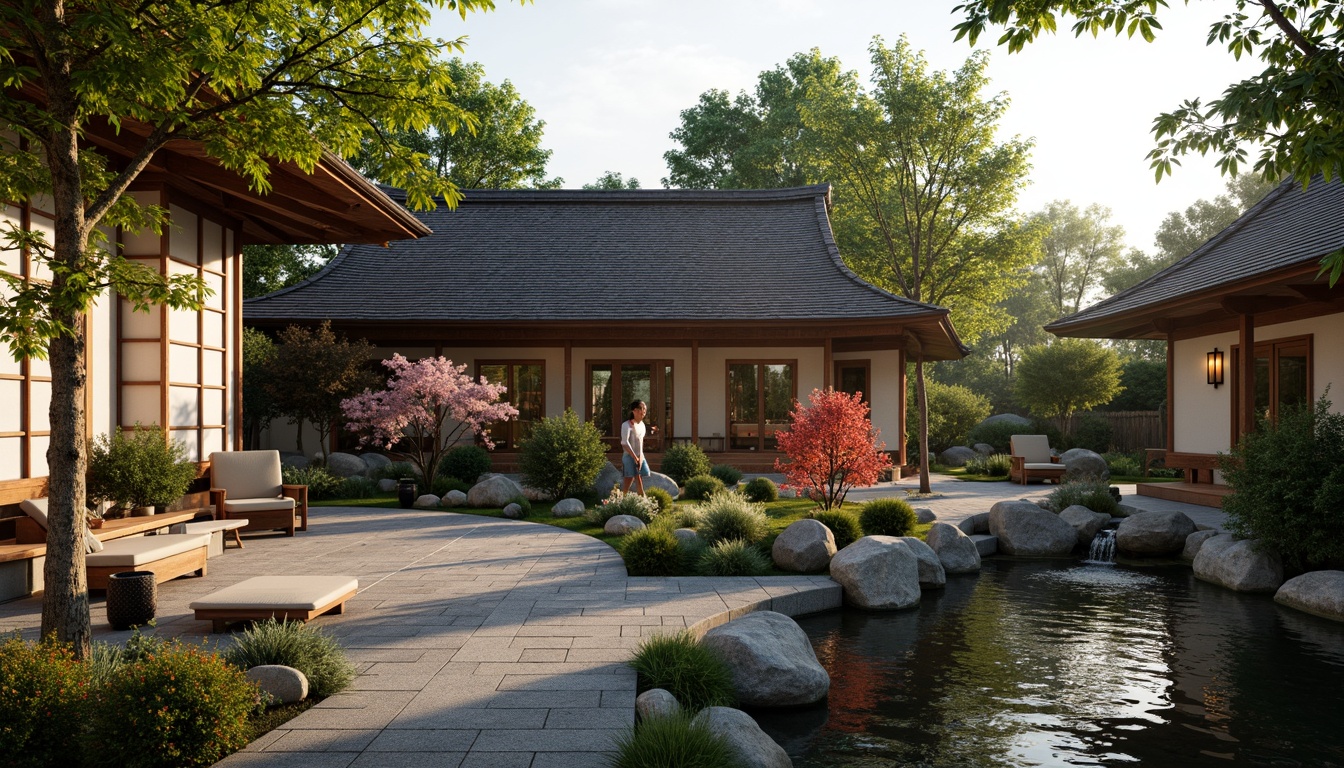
(832, 447)
(619, 503)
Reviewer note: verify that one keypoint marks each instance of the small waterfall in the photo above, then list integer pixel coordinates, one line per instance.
(1102, 550)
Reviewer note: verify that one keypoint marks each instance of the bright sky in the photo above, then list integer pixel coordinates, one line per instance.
(610, 78)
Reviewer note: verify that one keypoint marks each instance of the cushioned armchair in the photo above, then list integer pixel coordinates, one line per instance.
(247, 484)
(1032, 459)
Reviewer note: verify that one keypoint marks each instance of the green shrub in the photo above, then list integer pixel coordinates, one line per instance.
(618, 503)
(733, 558)
(686, 516)
(953, 411)
(662, 742)
(761, 490)
(1095, 496)
(998, 465)
(999, 433)
(357, 488)
(651, 552)
(396, 471)
(977, 465)
(682, 462)
(728, 517)
(143, 469)
(1288, 483)
(466, 463)
(1093, 433)
(701, 487)
(321, 483)
(444, 485)
(1121, 465)
(661, 496)
(887, 517)
(522, 502)
(681, 666)
(294, 644)
(563, 456)
(729, 475)
(179, 706)
(44, 695)
(844, 526)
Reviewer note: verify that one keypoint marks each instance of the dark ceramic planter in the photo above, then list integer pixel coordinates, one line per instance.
(406, 493)
(132, 599)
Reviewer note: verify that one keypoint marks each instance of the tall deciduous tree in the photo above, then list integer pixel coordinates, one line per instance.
(258, 406)
(924, 190)
(1291, 114)
(613, 180)
(1077, 250)
(268, 268)
(312, 372)
(1058, 380)
(832, 447)
(253, 84)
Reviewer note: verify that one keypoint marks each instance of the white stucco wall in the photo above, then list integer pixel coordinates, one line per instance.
(884, 399)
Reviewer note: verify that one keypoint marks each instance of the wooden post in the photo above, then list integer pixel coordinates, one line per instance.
(695, 392)
(1247, 374)
(569, 378)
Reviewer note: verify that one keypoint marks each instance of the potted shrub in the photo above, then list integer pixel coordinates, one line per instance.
(139, 470)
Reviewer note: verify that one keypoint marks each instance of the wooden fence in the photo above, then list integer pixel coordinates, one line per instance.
(1130, 430)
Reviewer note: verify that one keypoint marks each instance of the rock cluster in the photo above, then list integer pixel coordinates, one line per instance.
(805, 546)
(1027, 530)
(1154, 533)
(878, 573)
(1238, 564)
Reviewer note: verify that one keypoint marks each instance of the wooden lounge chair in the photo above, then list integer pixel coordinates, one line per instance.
(247, 484)
(286, 598)
(1032, 460)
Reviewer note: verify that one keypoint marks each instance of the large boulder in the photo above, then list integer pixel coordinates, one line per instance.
(1085, 521)
(958, 455)
(878, 572)
(688, 537)
(619, 525)
(294, 460)
(285, 685)
(493, 491)
(536, 494)
(805, 546)
(977, 523)
(1025, 529)
(1238, 564)
(753, 747)
(1154, 533)
(453, 499)
(659, 480)
(607, 478)
(346, 465)
(954, 548)
(931, 573)
(1194, 542)
(1318, 592)
(568, 508)
(984, 449)
(1084, 466)
(1006, 418)
(656, 703)
(771, 660)
(375, 461)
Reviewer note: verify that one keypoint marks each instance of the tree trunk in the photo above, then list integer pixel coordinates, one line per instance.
(298, 423)
(922, 398)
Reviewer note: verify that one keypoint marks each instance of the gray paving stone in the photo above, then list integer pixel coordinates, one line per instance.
(409, 760)
(573, 717)
(323, 741)
(571, 760)
(553, 740)
(445, 717)
(424, 740)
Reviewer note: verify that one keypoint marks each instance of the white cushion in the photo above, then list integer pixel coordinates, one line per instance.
(36, 509)
(91, 543)
(1033, 448)
(1046, 465)
(287, 593)
(246, 474)
(209, 526)
(142, 550)
(243, 506)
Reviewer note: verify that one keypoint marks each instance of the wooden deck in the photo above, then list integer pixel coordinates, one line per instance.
(1204, 494)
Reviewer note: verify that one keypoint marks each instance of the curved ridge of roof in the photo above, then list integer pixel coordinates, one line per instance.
(627, 195)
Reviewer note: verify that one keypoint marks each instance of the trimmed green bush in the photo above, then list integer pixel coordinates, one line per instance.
(701, 487)
(321, 483)
(466, 463)
(618, 503)
(887, 517)
(1095, 496)
(664, 742)
(44, 695)
(733, 558)
(523, 502)
(682, 462)
(999, 433)
(681, 666)
(661, 496)
(953, 411)
(729, 475)
(142, 469)
(563, 456)
(294, 644)
(844, 526)
(444, 485)
(1123, 465)
(728, 517)
(651, 552)
(761, 490)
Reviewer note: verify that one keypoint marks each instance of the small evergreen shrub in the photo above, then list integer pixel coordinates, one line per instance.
(1123, 465)
(761, 490)
(466, 463)
(563, 456)
(701, 487)
(44, 695)
(729, 517)
(844, 526)
(294, 644)
(523, 502)
(729, 475)
(733, 558)
(682, 462)
(444, 485)
(651, 552)
(618, 503)
(321, 483)
(887, 517)
(681, 666)
(661, 496)
(1095, 496)
(179, 706)
(977, 465)
(142, 468)
(1093, 433)
(663, 742)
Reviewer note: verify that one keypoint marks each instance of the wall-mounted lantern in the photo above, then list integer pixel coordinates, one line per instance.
(1215, 363)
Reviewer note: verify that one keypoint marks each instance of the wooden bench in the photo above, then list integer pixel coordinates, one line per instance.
(167, 556)
(284, 598)
(1193, 464)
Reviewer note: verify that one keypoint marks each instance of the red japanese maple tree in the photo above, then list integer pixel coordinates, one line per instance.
(832, 446)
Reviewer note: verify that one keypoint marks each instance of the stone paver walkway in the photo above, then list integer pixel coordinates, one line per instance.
(486, 642)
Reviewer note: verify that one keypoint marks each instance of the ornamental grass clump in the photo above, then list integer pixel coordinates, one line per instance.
(618, 503)
(681, 666)
(733, 558)
(294, 644)
(844, 526)
(45, 696)
(701, 487)
(1095, 496)
(675, 740)
(887, 517)
(651, 552)
(729, 517)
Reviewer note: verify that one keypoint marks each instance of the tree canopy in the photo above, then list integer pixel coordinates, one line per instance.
(1078, 249)
(613, 180)
(1057, 380)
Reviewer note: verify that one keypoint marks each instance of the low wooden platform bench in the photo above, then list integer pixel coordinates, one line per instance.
(285, 598)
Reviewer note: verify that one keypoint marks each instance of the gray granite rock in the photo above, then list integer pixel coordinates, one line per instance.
(931, 573)
(607, 478)
(619, 525)
(1126, 510)
(427, 501)
(387, 485)
(1238, 565)
(977, 523)
(771, 660)
(1194, 541)
(954, 548)
(285, 685)
(1082, 465)
(878, 572)
(375, 461)
(514, 511)
(1025, 529)
(536, 494)
(656, 703)
(1318, 592)
(493, 491)
(805, 546)
(294, 460)
(568, 508)
(659, 480)
(346, 465)
(924, 515)
(985, 544)
(1154, 533)
(453, 499)
(984, 449)
(1085, 521)
(754, 749)
(958, 455)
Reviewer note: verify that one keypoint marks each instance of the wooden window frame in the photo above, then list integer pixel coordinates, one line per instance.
(511, 442)
(760, 397)
(867, 366)
(656, 386)
(1273, 345)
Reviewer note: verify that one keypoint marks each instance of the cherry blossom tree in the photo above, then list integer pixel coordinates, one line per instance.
(832, 447)
(425, 408)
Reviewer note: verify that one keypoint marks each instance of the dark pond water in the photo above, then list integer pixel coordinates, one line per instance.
(1042, 663)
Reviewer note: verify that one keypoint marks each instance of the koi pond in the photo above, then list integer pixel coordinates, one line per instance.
(1042, 663)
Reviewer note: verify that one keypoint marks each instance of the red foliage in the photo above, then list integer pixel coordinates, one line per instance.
(832, 447)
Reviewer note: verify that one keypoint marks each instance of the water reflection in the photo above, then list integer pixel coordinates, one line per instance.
(1037, 663)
